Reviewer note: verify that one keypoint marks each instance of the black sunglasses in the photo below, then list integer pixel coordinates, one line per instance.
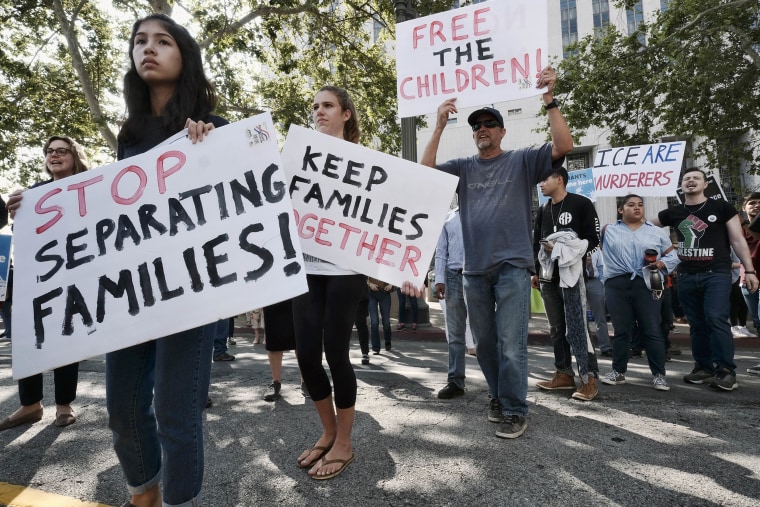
(489, 124)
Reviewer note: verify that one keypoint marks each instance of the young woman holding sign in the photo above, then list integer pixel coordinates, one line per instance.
(63, 157)
(324, 317)
(156, 391)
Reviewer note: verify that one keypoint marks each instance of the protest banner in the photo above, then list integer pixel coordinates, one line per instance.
(646, 170)
(580, 181)
(714, 190)
(481, 54)
(5, 264)
(364, 210)
(177, 237)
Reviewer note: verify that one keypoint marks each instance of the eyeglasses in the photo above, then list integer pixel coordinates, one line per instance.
(61, 152)
(489, 124)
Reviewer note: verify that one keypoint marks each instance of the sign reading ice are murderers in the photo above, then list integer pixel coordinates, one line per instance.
(646, 170)
(177, 237)
(481, 54)
(364, 210)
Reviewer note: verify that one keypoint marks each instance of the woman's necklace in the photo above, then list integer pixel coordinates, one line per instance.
(551, 210)
(696, 210)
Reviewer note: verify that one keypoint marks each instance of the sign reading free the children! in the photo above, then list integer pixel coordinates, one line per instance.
(177, 237)
(364, 210)
(485, 53)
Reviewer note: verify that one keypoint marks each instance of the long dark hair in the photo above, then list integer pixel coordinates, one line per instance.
(351, 130)
(194, 96)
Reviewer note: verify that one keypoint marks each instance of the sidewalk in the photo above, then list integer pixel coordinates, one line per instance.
(538, 331)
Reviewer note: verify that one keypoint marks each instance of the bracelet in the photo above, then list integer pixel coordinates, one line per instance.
(749, 272)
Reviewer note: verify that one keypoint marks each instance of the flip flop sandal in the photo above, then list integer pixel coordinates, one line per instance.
(345, 463)
(322, 451)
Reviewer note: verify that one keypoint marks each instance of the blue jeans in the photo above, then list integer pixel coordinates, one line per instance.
(382, 299)
(704, 298)
(221, 332)
(456, 320)
(630, 301)
(566, 313)
(402, 307)
(499, 307)
(753, 302)
(597, 305)
(155, 394)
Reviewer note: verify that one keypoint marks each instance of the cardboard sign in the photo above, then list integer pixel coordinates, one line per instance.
(364, 210)
(646, 170)
(485, 53)
(5, 264)
(579, 182)
(177, 237)
(713, 191)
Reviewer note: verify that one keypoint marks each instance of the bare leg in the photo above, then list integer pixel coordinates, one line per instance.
(341, 448)
(275, 364)
(151, 498)
(329, 421)
(63, 409)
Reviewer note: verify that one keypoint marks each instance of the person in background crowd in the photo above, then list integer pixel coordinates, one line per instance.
(596, 301)
(379, 298)
(64, 157)
(707, 229)
(402, 313)
(739, 309)
(565, 231)
(751, 208)
(362, 330)
(495, 205)
(632, 295)
(449, 261)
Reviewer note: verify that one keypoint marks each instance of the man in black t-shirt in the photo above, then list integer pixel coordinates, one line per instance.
(566, 306)
(707, 229)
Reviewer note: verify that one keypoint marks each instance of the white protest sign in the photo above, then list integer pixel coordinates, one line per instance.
(180, 236)
(364, 210)
(646, 170)
(485, 53)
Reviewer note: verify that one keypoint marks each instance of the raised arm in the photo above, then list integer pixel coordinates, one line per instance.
(562, 140)
(431, 150)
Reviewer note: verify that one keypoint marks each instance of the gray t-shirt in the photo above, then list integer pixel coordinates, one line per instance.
(495, 197)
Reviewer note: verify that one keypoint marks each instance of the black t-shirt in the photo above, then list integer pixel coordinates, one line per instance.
(576, 213)
(703, 242)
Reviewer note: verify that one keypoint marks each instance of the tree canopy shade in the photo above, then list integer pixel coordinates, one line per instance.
(696, 74)
(62, 63)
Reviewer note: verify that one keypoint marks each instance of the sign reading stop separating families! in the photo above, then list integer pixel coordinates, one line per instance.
(488, 52)
(364, 210)
(180, 236)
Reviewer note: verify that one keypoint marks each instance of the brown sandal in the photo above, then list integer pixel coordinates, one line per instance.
(322, 451)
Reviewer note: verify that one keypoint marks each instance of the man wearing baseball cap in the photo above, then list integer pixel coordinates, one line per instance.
(495, 208)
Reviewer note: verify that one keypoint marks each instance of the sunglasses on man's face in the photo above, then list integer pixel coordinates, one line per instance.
(489, 124)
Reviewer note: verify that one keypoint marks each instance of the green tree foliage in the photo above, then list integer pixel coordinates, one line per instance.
(696, 75)
(62, 63)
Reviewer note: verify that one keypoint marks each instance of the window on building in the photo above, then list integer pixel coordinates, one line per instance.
(377, 27)
(634, 17)
(569, 19)
(601, 15)
(664, 4)
(577, 161)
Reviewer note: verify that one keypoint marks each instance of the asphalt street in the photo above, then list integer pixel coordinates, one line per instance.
(691, 446)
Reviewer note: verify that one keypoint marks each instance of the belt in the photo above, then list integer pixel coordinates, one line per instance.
(456, 271)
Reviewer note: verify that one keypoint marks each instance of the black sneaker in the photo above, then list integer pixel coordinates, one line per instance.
(725, 380)
(275, 394)
(365, 359)
(494, 411)
(512, 426)
(698, 376)
(224, 357)
(450, 391)
(388, 346)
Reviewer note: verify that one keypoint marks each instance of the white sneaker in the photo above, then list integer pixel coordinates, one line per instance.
(736, 331)
(659, 383)
(746, 333)
(754, 370)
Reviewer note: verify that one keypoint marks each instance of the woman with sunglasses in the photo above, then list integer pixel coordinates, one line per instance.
(63, 158)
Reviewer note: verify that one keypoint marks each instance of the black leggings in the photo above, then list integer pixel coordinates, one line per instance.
(65, 378)
(325, 315)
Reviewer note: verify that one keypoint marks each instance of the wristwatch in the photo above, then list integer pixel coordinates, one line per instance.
(551, 105)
